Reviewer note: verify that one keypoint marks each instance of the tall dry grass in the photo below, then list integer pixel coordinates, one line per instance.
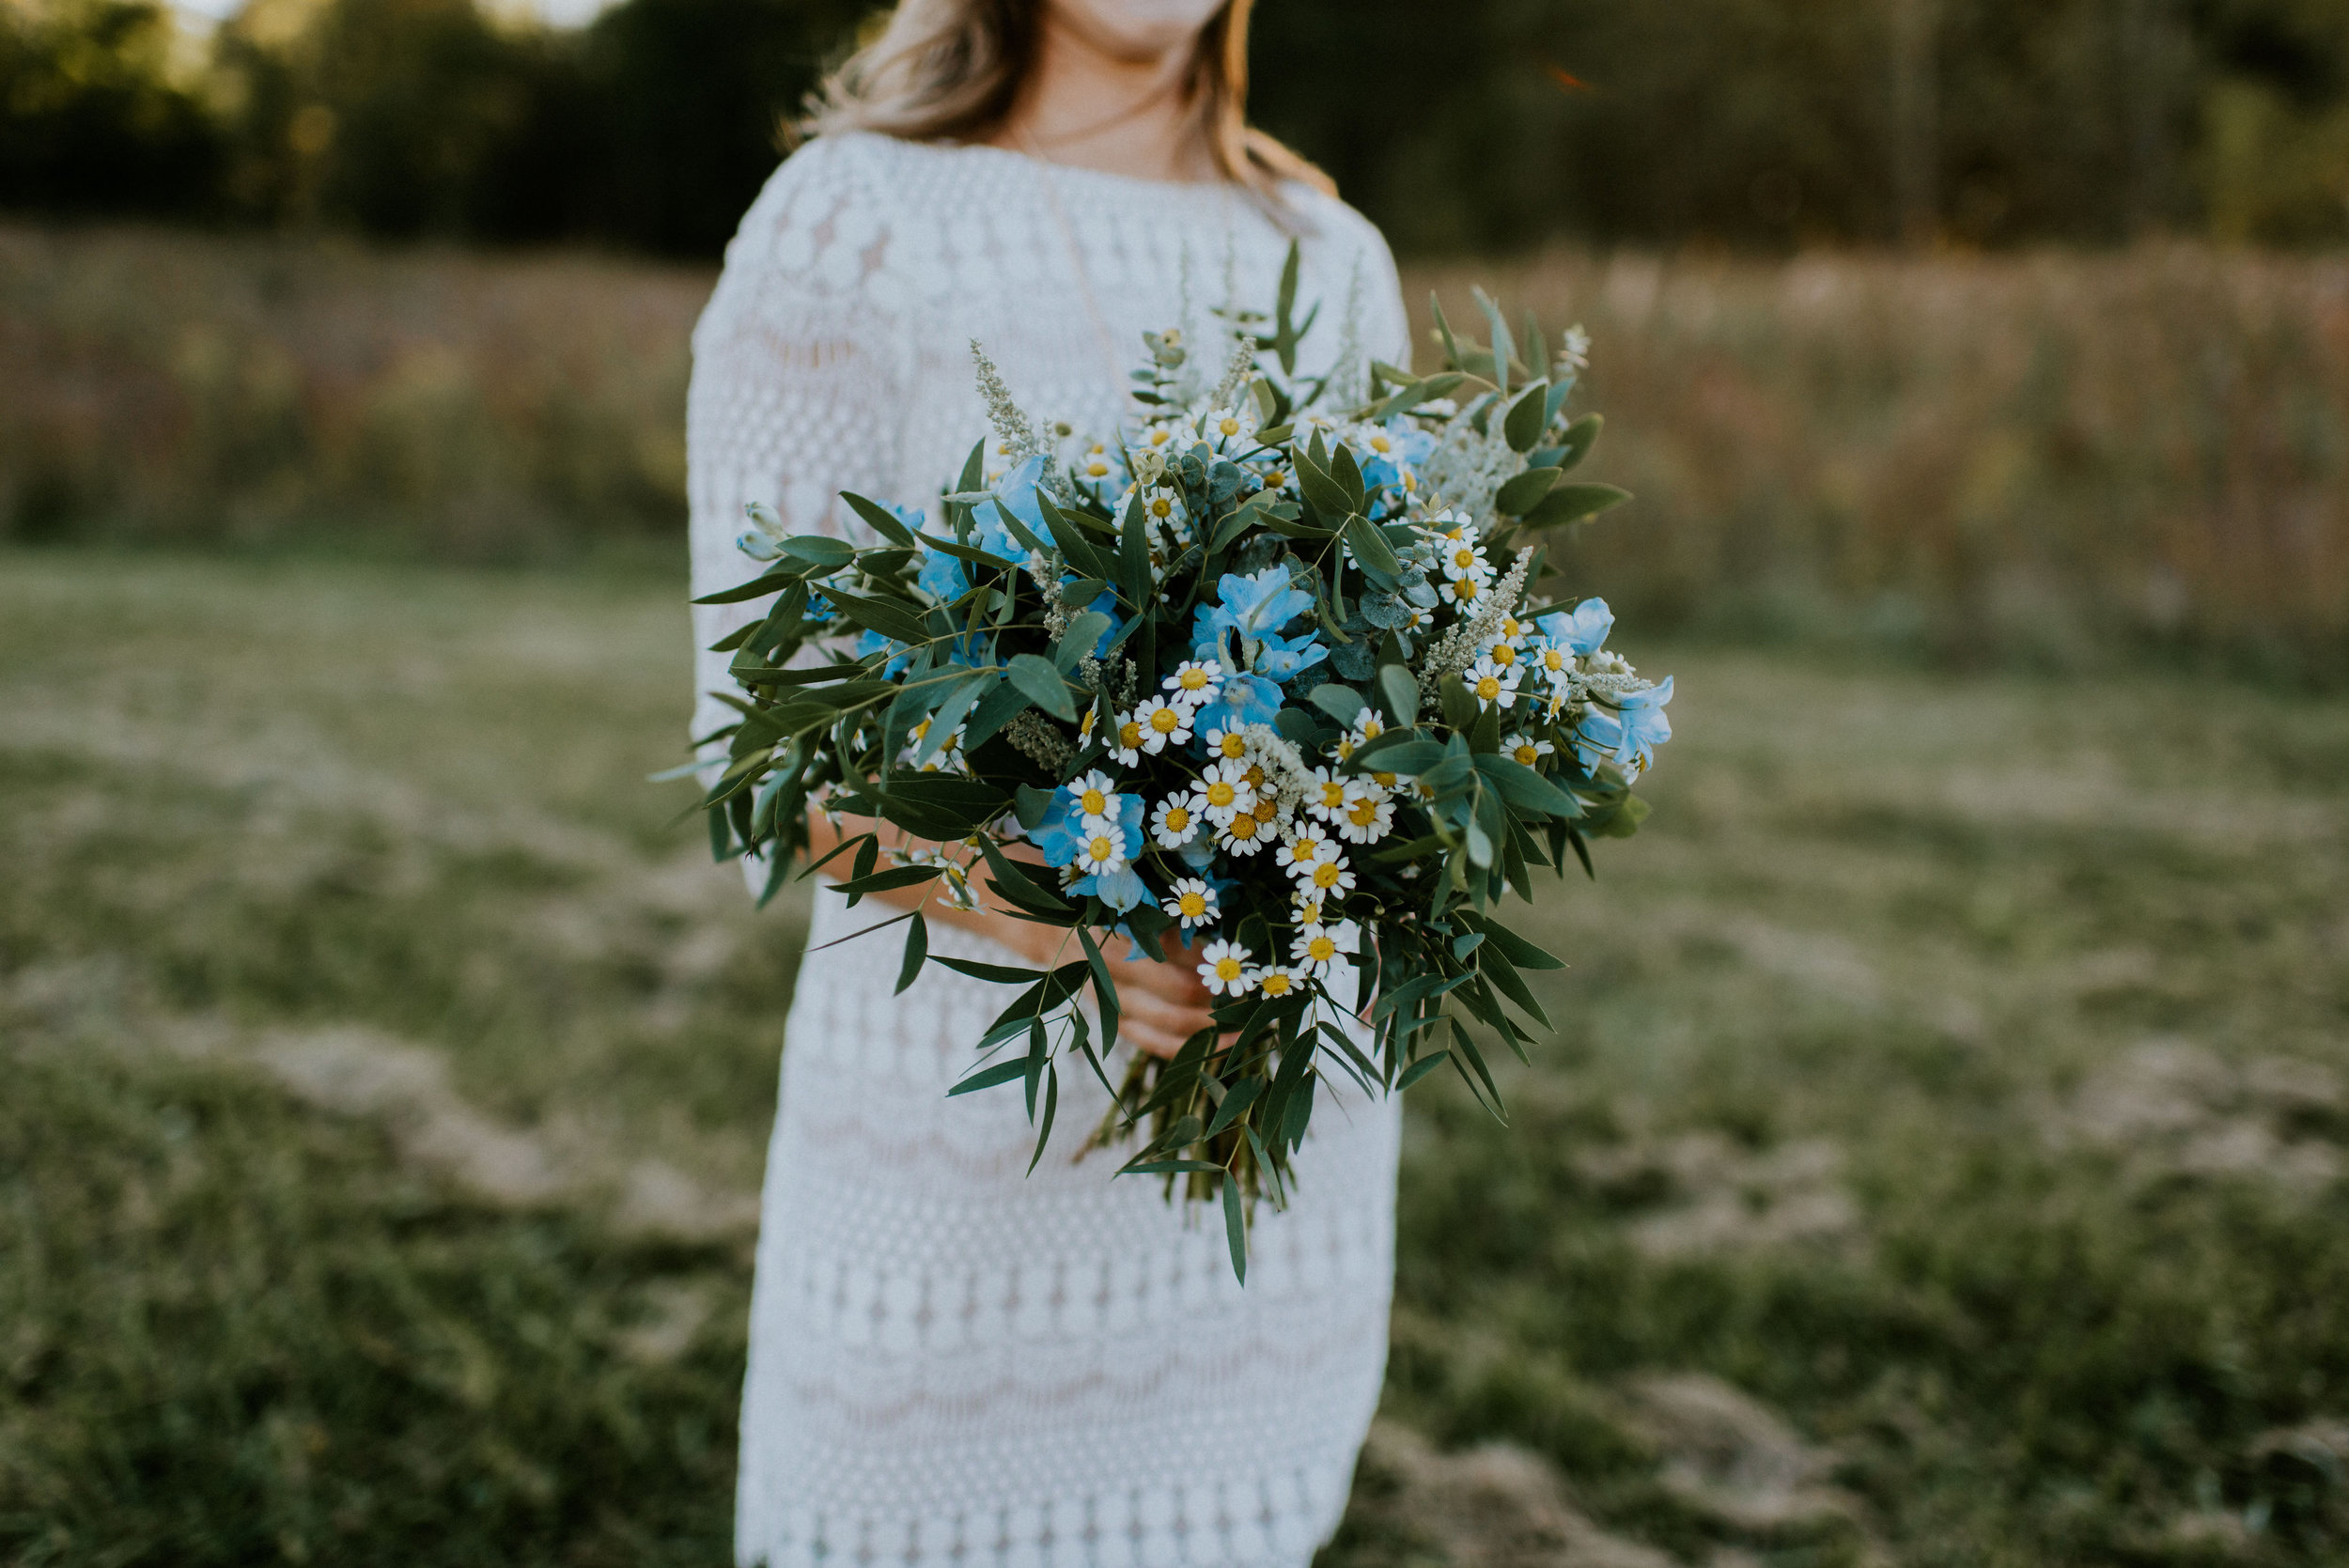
(2036, 458)
(2031, 456)
(178, 387)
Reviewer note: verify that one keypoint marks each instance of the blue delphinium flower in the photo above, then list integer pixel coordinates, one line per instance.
(899, 655)
(1243, 700)
(1582, 630)
(942, 577)
(1283, 658)
(1018, 495)
(1258, 606)
(1630, 733)
(1055, 837)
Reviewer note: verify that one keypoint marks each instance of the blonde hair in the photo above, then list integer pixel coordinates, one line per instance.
(951, 71)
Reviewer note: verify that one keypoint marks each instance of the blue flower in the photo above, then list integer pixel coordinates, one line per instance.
(942, 577)
(1629, 736)
(1055, 837)
(1283, 658)
(899, 655)
(1584, 631)
(1244, 700)
(1017, 494)
(1258, 606)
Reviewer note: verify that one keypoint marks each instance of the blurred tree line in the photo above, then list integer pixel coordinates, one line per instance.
(1755, 123)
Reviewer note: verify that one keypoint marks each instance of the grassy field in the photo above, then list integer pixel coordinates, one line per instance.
(1940, 1160)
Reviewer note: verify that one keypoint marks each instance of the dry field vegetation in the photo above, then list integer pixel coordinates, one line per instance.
(1943, 1158)
(2038, 461)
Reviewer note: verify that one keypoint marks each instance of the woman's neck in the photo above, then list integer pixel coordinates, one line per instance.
(1090, 106)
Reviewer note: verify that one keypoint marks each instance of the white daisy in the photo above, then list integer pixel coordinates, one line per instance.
(1463, 591)
(1222, 792)
(1369, 813)
(1274, 981)
(1226, 427)
(1128, 741)
(1175, 821)
(1097, 802)
(1162, 512)
(1229, 745)
(1193, 902)
(1331, 874)
(1160, 723)
(1101, 851)
(1195, 682)
(1301, 846)
(1244, 834)
(1492, 685)
(1317, 950)
(1463, 558)
(1555, 664)
(1326, 799)
(1224, 967)
(1525, 748)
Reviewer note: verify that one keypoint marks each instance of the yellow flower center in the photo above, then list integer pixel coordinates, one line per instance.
(1303, 851)
(1464, 557)
(1552, 660)
(1227, 968)
(1276, 984)
(1234, 746)
(1097, 468)
(1528, 756)
(1384, 780)
(1243, 827)
(1362, 813)
(1159, 438)
(1195, 906)
(1161, 506)
(1504, 654)
(1095, 802)
(1193, 680)
(1322, 949)
(1221, 794)
(1333, 793)
(1166, 721)
(1130, 734)
(1326, 875)
(1380, 443)
(1178, 818)
(1489, 687)
(1228, 425)
(1102, 849)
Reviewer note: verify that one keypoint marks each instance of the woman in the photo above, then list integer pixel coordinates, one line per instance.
(950, 1359)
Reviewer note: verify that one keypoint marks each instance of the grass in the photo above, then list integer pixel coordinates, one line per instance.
(1939, 1160)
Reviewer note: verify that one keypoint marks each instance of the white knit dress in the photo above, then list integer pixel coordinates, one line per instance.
(950, 1361)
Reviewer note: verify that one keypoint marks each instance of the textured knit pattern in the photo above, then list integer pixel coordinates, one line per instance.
(952, 1361)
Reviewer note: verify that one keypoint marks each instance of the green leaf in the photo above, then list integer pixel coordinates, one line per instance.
(1083, 636)
(1325, 495)
(1580, 436)
(996, 709)
(972, 553)
(1413, 1073)
(1526, 416)
(917, 949)
(1044, 687)
(1527, 790)
(995, 974)
(1572, 504)
(1236, 1227)
(1003, 1072)
(773, 580)
(1370, 546)
(1401, 690)
(1051, 1106)
(819, 551)
(950, 713)
(1523, 492)
(1104, 988)
(881, 521)
(1342, 703)
(890, 617)
(895, 876)
(1242, 1095)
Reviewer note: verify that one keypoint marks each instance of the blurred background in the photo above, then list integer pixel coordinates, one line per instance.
(1939, 1159)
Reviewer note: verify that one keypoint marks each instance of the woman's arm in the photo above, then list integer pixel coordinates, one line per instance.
(1160, 1004)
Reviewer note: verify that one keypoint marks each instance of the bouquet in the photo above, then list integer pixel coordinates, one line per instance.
(1265, 675)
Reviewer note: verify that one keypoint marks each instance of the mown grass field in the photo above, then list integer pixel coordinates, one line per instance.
(1940, 1159)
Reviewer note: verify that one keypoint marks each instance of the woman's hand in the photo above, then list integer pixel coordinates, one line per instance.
(1159, 1005)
